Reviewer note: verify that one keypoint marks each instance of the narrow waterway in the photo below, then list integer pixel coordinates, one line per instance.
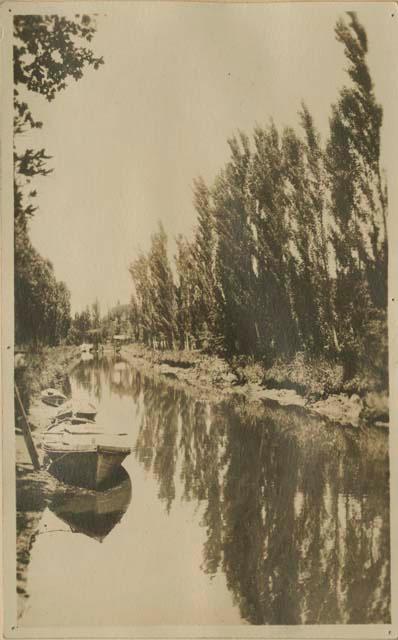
(226, 514)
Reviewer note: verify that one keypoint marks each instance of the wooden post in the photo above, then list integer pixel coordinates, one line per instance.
(27, 434)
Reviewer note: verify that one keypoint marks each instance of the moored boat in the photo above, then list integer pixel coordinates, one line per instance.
(76, 411)
(52, 397)
(84, 454)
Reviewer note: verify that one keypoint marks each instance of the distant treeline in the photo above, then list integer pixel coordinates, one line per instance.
(90, 325)
(290, 248)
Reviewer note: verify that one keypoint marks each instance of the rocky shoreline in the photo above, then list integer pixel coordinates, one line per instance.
(213, 378)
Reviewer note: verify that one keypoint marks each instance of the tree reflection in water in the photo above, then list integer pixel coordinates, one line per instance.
(88, 376)
(295, 510)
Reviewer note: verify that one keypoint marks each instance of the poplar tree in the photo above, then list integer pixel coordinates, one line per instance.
(139, 270)
(279, 328)
(310, 265)
(358, 202)
(207, 312)
(235, 250)
(162, 289)
(186, 292)
(316, 191)
(49, 51)
(96, 314)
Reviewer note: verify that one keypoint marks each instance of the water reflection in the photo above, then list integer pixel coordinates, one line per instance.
(94, 513)
(100, 371)
(295, 512)
(291, 515)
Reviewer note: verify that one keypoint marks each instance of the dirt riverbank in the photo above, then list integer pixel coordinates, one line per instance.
(213, 378)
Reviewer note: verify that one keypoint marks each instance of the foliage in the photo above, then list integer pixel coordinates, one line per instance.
(358, 200)
(273, 229)
(234, 269)
(118, 320)
(289, 256)
(48, 52)
(155, 294)
(187, 294)
(42, 304)
(80, 324)
(45, 367)
(162, 289)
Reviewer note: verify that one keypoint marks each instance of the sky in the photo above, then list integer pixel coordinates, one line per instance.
(178, 81)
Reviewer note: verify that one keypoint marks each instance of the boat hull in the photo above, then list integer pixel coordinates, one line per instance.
(53, 401)
(83, 412)
(53, 397)
(89, 469)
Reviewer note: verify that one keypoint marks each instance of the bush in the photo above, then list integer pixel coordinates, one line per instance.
(315, 377)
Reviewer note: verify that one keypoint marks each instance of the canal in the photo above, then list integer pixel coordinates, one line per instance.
(227, 513)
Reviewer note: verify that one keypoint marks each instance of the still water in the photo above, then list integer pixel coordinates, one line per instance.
(226, 514)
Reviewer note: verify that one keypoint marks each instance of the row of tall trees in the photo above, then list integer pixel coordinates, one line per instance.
(49, 51)
(290, 248)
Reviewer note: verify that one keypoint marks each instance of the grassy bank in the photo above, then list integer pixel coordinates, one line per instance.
(46, 368)
(318, 385)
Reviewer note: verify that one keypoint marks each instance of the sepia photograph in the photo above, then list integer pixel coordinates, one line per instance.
(195, 368)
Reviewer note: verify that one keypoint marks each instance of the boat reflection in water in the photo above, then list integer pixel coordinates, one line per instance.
(275, 516)
(94, 513)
